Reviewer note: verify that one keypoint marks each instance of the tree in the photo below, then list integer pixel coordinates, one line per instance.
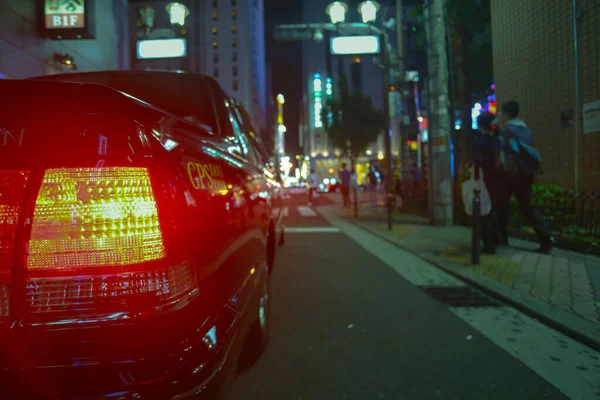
(351, 121)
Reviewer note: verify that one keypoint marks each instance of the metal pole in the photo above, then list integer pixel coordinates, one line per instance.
(355, 202)
(576, 113)
(404, 154)
(440, 176)
(476, 233)
(387, 138)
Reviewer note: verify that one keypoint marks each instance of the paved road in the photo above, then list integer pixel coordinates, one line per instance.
(345, 325)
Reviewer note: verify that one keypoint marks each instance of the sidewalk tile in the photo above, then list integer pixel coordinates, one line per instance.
(567, 281)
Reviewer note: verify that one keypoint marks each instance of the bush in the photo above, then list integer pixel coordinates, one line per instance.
(558, 205)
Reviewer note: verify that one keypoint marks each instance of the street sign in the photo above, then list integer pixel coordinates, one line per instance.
(161, 48)
(67, 19)
(355, 45)
(292, 34)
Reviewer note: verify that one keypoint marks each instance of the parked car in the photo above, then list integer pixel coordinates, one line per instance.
(136, 249)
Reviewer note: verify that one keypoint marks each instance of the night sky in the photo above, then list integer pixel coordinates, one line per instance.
(286, 64)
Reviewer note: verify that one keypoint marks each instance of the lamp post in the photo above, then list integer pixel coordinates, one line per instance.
(368, 11)
(337, 12)
(177, 13)
(318, 31)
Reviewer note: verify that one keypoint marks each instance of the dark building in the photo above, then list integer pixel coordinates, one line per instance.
(26, 51)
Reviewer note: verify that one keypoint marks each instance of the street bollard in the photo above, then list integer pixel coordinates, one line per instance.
(476, 233)
(355, 203)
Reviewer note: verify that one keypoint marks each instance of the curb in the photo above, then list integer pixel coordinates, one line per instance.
(589, 339)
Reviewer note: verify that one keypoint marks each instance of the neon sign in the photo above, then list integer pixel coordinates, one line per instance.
(318, 98)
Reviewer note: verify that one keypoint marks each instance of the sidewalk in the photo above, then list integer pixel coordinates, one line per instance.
(563, 288)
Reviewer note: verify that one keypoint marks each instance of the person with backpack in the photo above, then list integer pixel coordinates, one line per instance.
(518, 164)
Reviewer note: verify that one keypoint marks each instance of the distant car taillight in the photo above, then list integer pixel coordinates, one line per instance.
(96, 244)
(12, 188)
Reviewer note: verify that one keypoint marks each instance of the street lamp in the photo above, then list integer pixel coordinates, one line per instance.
(368, 11)
(177, 13)
(337, 12)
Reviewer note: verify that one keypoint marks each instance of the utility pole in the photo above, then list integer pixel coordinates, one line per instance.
(440, 179)
(401, 74)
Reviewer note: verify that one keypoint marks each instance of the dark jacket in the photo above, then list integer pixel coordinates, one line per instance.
(486, 150)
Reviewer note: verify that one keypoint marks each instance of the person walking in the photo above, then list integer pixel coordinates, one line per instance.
(486, 151)
(313, 185)
(518, 170)
(372, 177)
(345, 177)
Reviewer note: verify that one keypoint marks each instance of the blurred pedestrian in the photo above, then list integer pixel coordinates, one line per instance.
(372, 177)
(518, 164)
(313, 185)
(345, 176)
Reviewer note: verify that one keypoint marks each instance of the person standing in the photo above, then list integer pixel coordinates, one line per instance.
(345, 176)
(518, 177)
(486, 150)
(313, 184)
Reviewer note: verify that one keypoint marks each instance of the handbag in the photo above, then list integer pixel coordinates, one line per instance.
(469, 189)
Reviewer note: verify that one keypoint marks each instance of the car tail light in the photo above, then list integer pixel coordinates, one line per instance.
(96, 243)
(12, 188)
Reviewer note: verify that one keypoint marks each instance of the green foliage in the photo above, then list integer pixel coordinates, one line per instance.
(559, 208)
(355, 123)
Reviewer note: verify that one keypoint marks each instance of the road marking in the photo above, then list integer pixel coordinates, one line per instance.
(306, 211)
(280, 212)
(314, 229)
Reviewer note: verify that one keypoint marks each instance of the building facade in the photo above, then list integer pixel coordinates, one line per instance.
(26, 51)
(363, 75)
(223, 39)
(534, 63)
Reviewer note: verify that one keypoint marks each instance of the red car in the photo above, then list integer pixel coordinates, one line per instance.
(136, 246)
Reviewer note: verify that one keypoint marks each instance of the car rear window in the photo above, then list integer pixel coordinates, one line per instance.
(181, 95)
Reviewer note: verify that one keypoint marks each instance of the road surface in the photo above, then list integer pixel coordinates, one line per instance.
(352, 319)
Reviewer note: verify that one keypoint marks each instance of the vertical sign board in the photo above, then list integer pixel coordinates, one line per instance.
(67, 19)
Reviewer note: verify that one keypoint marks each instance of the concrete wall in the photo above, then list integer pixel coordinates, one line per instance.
(23, 53)
(533, 51)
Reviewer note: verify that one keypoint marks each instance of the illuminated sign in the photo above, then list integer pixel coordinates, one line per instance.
(354, 45)
(64, 14)
(161, 48)
(318, 99)
(475, 113)
(67, 19)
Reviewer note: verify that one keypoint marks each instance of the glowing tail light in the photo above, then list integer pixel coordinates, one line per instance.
(95, 242)
(93, 218)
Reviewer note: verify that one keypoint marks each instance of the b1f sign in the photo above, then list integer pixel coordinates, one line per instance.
(67, 19)
(60, 14)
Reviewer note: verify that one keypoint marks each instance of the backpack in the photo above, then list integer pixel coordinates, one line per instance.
(517, 157)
